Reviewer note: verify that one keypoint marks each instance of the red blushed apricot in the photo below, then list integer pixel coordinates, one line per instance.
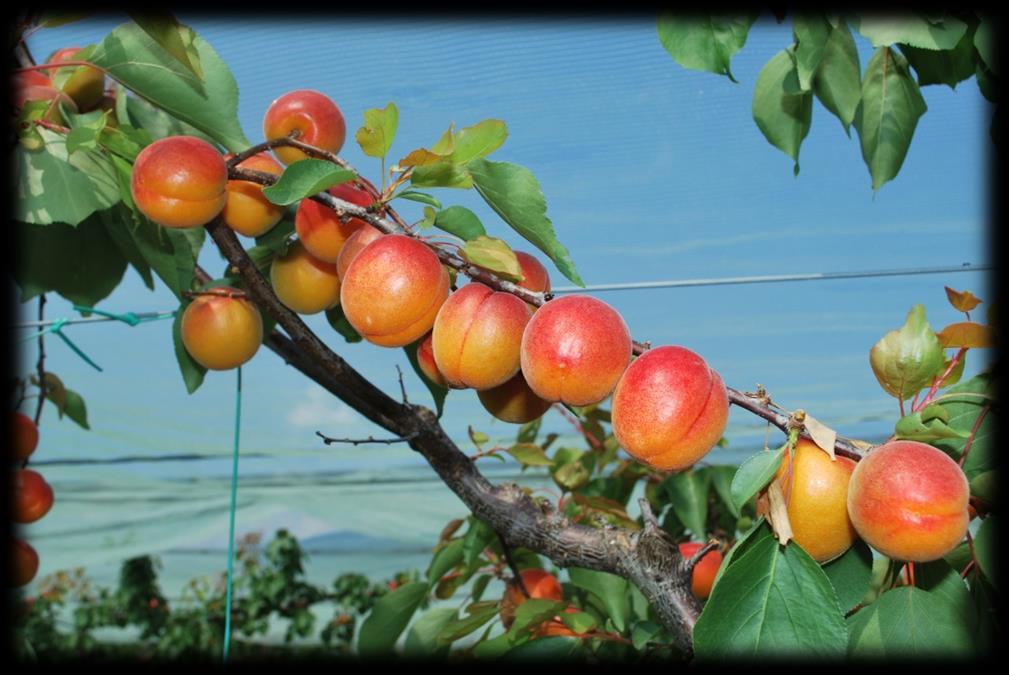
(24, 563)
(86, 85)
(180, 181)
(221, 332)
(536, 278)
(304, 283)
(355, 243)
(322, 231)
(669, 408)
(313, 114)
(539, 583)
(908, 501)
(31, 78)
(574, 349)
(477, 336)
(26, 436)
(246, 210)
(425, 358)
(816, 491)
(513, 401)
(393, 290)
(33, 497)
(703, 576)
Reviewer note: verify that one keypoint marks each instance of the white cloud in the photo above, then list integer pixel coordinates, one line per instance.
(321, 410)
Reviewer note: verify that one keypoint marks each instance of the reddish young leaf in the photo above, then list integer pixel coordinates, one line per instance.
(963, 301)
(967, 334)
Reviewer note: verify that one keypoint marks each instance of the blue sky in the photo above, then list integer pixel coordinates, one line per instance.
(650, 172)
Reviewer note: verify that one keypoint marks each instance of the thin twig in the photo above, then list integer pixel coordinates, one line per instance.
(360, 441)
(690, 563)
(511, 564)
(40, 367)
(973, 433)
(402, 387)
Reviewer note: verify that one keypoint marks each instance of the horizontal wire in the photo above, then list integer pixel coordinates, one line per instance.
(91, 319)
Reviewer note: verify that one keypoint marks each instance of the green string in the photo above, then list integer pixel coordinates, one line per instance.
(231, 525)
(55, 329)
(129, 318)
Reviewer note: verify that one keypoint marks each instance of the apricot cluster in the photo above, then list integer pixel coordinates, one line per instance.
(81, 91)
(33, 498)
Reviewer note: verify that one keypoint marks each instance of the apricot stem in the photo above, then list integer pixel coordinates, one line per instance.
(937, 381)
(973, 432)
(593, 441)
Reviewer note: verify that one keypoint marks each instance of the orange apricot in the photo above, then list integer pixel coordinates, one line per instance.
(706, 569)
(669, 408)
(574, 349)
(180, 181)
(355, 244)
(313, 114)
(425, 358)
(393, 290)
(322, 231)
(26, 436)
(33, 496)
(513, 401)
(816, 491)
(477, 336)
(908, 500)
(24, 563)
(246, 210)
(221, 331)
(86, 84)
(304, 283)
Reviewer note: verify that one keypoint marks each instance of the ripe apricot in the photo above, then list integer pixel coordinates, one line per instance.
(312, 113)
(180, 181)
(425, 358)
(513, 401)
(539, 583)
(86, 85)
(25, 436)
(477, 336)
(669, 408)
(536, 278)
(322, 231)
(24, 563)
(33, 497)
(221, 332)
(393, 290)
(246, 210)
(304, 283)
(908, 500)
(816, 491)
(355, 244)
(574, 349)
(703, 576)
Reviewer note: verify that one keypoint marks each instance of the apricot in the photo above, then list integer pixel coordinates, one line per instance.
(312, 113)
(321, 230)
(669, 408)
(304, 283)
(705, 571)
(908, 500)
(539, 583)
(425, 358)
(477, 336)
(24, 563)
(513, 401)
(33, 497)
(355, 244)
(220, 331)
(816, 491)
(393, 290)
(536, 278)
(246, 210)
(574, 349)
(25, 436)
(86, 85)
(180, 181)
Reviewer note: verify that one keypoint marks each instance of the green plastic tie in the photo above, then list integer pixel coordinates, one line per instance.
(55, 329)
(129, 318)
(231, 524)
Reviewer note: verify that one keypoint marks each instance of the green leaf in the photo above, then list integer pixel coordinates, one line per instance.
(938, 577)
(422, 197)
(45, 179)
(388, 618)
(422, 638)
(479, 140)
(117, 221)
(460, 628)
(688, 495)
(447, 557)
(527, 433)
(56, 391)
(812, 31)
(984, 486)
(905, 360)
(340, 324)
(772, 601)
(704, 42)
(157, 123)
(532, 613)
(305, 178)
(82, 264)
(85, 130)
(494, 255)
(546, 650)
(530, 455)
(721, 480)
(192, 372)
(884, 30)
(60, 18)
(379, 130)
(948, 66)
(494, 648)
(438, 393)
(609, 588)
(571, 475)
(850, 574)
(888, 114)
(579, 622)
(514, 194)
(908, 621)
(174, 38)
(134, 58)
(783, 117)
(461, 222)
(644, 632)
(441, 174)
(838, 83)
(914, 427)
(753, 474)
(985, 42)
(964, 402)
(479, 536)
(75, 409)
(986, 545)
